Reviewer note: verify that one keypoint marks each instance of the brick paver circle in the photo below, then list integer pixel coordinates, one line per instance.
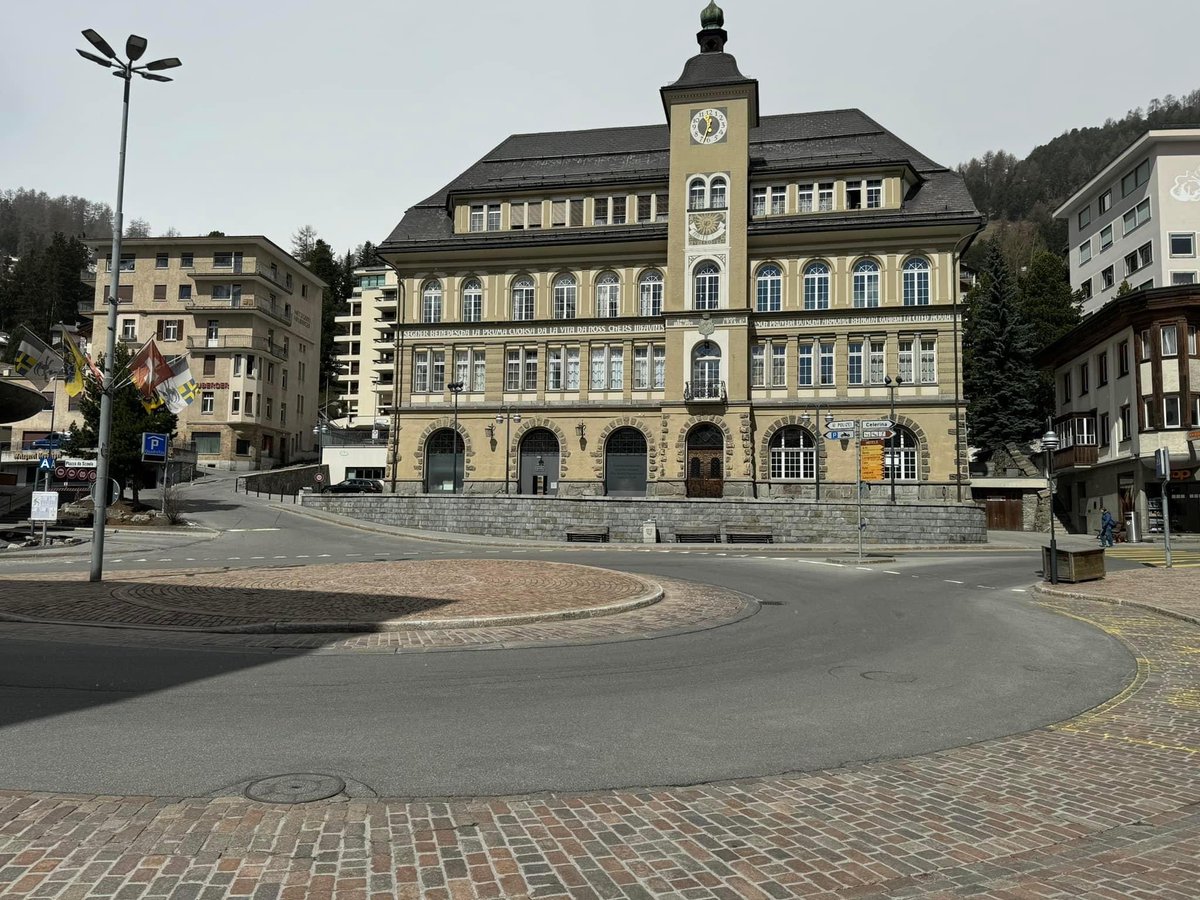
(350, 597)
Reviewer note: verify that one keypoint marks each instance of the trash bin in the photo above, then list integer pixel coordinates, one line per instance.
(1132, 535)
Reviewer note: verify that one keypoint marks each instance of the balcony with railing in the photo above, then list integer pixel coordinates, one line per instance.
(704, 392)
(1079, 456)
(1078, 436)
(239, 304)
(237, 342)
(240, 267)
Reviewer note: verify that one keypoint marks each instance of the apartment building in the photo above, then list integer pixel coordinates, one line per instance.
(365, 366)
(248, 318)
(677, 309)
(1128, 383)
(1136, 221)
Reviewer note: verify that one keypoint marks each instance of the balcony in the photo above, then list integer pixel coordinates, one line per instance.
(1079, 456)
(242, 267)
(238, 342)
(704, 392)
(245, 304)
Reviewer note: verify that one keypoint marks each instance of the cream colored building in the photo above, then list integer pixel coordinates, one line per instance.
(366, 368)
(248, 318)
(675, 310)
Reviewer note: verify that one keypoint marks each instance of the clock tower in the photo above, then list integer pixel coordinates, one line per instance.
(710, 110)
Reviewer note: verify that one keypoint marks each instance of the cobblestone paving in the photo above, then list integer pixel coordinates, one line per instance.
(369, 593)
(1173, 591)
(1106, 806)
(684, 607)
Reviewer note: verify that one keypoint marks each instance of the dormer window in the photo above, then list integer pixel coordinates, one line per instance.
(485, 217)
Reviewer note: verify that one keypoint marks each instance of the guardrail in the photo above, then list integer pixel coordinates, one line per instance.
(284, 482)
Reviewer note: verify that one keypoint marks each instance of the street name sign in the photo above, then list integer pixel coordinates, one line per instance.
(44, 507)
(877, 423)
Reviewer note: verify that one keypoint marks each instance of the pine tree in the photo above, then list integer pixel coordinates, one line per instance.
(129, 420)
(1051, 309)
(999, 378)
(322, 262)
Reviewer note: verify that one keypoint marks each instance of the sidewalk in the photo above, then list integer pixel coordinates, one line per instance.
(1104, 805)
(1170, 592)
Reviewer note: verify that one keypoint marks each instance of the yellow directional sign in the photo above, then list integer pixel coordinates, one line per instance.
(872, 461)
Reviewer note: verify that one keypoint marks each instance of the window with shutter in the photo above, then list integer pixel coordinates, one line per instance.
(576, 212)
(533, 216)
(644, 207)
(160, 292)
(517, 216)
(558, 213)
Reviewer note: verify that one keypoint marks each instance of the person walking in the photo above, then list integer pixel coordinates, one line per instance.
(1107, 524)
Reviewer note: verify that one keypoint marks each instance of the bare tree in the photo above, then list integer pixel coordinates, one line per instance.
(172, 232)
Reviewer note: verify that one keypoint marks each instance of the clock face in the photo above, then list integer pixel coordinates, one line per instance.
(709, 126)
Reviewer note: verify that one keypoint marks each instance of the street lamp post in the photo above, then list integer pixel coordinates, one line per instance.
(507, 415)
(892, 384)
(456, 388)
(125, 70)
(819, 442)
(1049, 445)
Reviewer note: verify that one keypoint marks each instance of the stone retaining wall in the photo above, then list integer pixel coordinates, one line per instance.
(542, 518)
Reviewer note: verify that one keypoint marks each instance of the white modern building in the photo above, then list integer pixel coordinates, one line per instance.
(365, 352)
(1137, 220)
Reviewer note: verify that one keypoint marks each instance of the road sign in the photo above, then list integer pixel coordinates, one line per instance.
(874, 434)
(318, 478)
(877, 423)
(872, 461)
(45, 464)
(844, 425)
(154, 447)
(114, 490)
(44, 507)
(839, 435)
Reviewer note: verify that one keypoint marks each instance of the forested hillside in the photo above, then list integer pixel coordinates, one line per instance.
(1025, 192)
(30, 219)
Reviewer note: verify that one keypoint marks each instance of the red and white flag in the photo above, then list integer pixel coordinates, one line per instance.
(149, 369)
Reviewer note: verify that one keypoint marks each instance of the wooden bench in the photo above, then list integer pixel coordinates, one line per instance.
(748, 534)
(697, 534)
(594, 533)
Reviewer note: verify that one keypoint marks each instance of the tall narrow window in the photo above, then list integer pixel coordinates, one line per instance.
(554, 370)
(641, 368)
(804, 198)
(769, 289)
(565, 297)
(916, 282)
(472, 294)
(697, 194)
(479, 365)
(758, 202)
(866, 283)
(906, 361)
(825, 196)
(758, 365)
(929, 360)
(854, 365)
(531, 370)
(512, 370)
(804, 368)
(716, 192)
(778, 365)
(572, 376)
(522, 300)
(650, 293)
(431, 302)
(608, 296)
(874, 193)
(816, 286)
(660, 366)
(875, 362)
(827, 362)
(707, 286)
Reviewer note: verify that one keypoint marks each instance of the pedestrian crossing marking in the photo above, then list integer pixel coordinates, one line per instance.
(1156, 555)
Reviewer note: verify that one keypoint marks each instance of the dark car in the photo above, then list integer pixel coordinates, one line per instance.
(53, 441)
(356, 486)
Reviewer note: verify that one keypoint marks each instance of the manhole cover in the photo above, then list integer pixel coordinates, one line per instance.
(894, 677)
(299, 787)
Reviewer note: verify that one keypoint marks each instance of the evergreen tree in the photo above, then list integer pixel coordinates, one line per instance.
(999, 379)
(303, 241)
(322, 262)
(129, 420)
(1051, 309)
(43, 287)
(365, 255)
(137, 228)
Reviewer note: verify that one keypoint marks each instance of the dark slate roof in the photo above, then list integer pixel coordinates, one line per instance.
(563, 160)
(710, 68)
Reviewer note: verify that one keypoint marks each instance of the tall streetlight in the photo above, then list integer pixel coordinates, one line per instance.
(1049, 445)
(892, 384)
(456, 388)
(134, 48)
(815, 420)
(506, 415)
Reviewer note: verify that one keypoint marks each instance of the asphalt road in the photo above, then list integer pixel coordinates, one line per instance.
(840, 665)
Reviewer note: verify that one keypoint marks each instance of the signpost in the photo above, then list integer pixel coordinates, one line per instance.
(1162, 468)
(45, 507)
(154, 447)
(872, 460)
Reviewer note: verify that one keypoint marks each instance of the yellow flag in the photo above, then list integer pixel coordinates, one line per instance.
(75, 365)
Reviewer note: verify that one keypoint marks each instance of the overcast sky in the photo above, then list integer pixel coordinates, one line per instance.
(343, 114)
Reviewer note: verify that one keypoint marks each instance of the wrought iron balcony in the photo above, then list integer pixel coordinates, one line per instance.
(704, 391)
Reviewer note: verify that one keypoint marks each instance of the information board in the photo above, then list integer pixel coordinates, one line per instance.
(44, 507)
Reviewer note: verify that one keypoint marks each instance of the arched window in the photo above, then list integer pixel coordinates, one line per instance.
(565, 296)
(697, 194)
(472, 300)
(901, 452)
(769, 289)
(707, 286)
(716, 192)
(793, 454)
(522, 299)
(650, 293)
(445, 458)
(816, 286)
(706, 372)
(431, 302)
(916, 282)
(866, 283)
(608, 296)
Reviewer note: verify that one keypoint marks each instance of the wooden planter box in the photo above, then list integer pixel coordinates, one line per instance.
(1075, 565)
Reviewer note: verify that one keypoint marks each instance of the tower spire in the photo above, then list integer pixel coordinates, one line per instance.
(712, 35)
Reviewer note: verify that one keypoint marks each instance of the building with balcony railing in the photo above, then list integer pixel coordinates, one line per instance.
(365, 355)
(248, 318)
(1127, 382)
(672, 309)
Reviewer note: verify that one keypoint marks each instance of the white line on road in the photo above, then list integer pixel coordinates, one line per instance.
(952, 581)
(278, 557)
(303, 556)
(258, 557)
(322, 556)
(1018, 590)
(890, 572)
(357, 554)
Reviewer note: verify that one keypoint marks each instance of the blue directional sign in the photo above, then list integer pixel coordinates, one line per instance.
(839, 435)
(154, 447)
(45, 464)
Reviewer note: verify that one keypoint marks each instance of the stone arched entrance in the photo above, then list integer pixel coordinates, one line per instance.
(704, 462)
(445, 460)
(537, 472)
(625, 463)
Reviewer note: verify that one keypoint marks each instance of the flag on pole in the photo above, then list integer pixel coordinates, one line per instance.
(37, 360)
(149, 369)
(179, 391)
(74, 364)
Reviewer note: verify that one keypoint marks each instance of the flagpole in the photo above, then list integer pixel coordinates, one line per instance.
(100, 496)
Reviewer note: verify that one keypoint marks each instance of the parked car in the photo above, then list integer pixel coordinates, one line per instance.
(53, 441)
(356, 486)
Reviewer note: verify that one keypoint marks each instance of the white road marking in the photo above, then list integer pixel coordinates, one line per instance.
(303, 556)
(776, 558)
(890, 572)
(986, 587)
(258, 557)
(278, 557)
(865, 569)
(1018, 590)
(322, 556)
(166, 559)
(952, 581)
(233, 558)
(359, 554)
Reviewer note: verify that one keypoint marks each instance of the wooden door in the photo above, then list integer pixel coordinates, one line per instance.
(1004, 513)
(705, 473)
